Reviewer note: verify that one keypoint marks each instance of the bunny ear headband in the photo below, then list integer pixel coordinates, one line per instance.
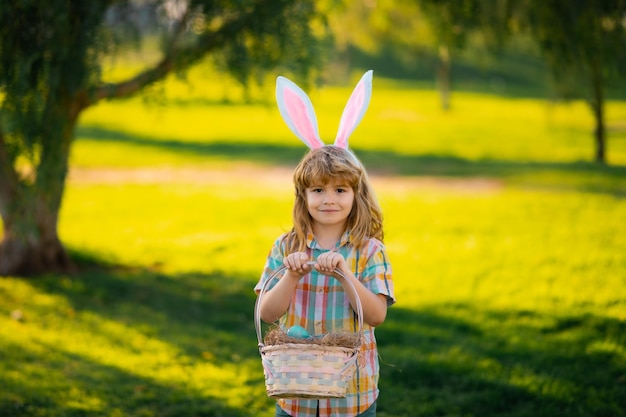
(297, 111)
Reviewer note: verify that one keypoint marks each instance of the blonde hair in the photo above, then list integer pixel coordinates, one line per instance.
(319, 166)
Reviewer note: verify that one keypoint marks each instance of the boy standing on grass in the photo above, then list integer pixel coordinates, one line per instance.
(337, 224)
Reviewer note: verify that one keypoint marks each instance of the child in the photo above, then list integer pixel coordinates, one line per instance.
(337, 223)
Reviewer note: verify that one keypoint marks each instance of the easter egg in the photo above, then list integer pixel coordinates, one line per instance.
(298, 332)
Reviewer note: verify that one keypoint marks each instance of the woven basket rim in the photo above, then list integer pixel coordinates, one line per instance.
(307, 346)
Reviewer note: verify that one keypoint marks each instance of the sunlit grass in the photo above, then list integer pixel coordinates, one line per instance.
(492, 283)
(120, 344)
(181, 227)
(508, 256)
(509, 248)
(401, 118)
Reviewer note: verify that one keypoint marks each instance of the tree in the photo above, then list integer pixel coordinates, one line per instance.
(456, 22)
(414, 29)
(373, 25)
(50, 71)
(584, 43)
(452, 21)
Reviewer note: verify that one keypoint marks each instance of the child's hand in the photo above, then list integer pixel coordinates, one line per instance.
(328, 262)
(298, 263)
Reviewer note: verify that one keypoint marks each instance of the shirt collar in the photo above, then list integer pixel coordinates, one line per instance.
(312, 243)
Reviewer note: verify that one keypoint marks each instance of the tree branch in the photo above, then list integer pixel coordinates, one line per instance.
(176, 58)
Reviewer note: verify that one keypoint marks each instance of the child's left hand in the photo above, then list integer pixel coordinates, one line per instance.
(328, 262)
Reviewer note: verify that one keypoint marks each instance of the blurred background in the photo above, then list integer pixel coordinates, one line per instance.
(145, 172)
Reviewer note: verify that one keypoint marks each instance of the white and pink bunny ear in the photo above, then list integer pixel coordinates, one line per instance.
(355, 109)
(297, 111)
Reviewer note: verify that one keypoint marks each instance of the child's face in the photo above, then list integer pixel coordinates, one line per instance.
(331, 203)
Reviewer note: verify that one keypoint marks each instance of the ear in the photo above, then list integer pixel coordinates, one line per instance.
(355, 109)
(297, 111)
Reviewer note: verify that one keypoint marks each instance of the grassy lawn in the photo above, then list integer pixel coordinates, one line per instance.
(507, 246)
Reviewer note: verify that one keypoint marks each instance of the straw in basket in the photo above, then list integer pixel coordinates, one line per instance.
(308, 369)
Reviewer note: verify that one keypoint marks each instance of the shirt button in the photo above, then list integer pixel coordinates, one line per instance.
(320, 291)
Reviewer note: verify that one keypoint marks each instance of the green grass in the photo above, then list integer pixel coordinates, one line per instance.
(507, 247)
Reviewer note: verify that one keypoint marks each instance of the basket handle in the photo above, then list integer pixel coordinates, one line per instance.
(345, 282)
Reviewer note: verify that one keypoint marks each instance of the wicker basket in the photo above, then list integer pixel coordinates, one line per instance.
(307, 370)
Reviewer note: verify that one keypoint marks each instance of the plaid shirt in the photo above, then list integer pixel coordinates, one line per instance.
(319, 305)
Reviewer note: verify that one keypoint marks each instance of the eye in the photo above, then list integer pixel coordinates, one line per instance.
(316, 190)
(342, 190)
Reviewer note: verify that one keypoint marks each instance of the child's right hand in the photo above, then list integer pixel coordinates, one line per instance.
(298, 263)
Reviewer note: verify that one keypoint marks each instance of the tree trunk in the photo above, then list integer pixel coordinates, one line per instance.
(443, 76)
(599, 134)
(597, 107)
(30, 208)
(30, 244)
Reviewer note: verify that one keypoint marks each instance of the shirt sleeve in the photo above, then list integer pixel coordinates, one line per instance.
(272, 263)
(377, 273)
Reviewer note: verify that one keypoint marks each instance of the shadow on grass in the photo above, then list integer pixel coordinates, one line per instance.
(56, 383)
(445, 360)
(581, 176)
(465, 360)
(195, 319)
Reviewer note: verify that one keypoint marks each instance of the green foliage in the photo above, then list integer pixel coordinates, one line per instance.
(51, 52)
(51, 58)
(507, 256)
(583, 42)
(46, 56)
